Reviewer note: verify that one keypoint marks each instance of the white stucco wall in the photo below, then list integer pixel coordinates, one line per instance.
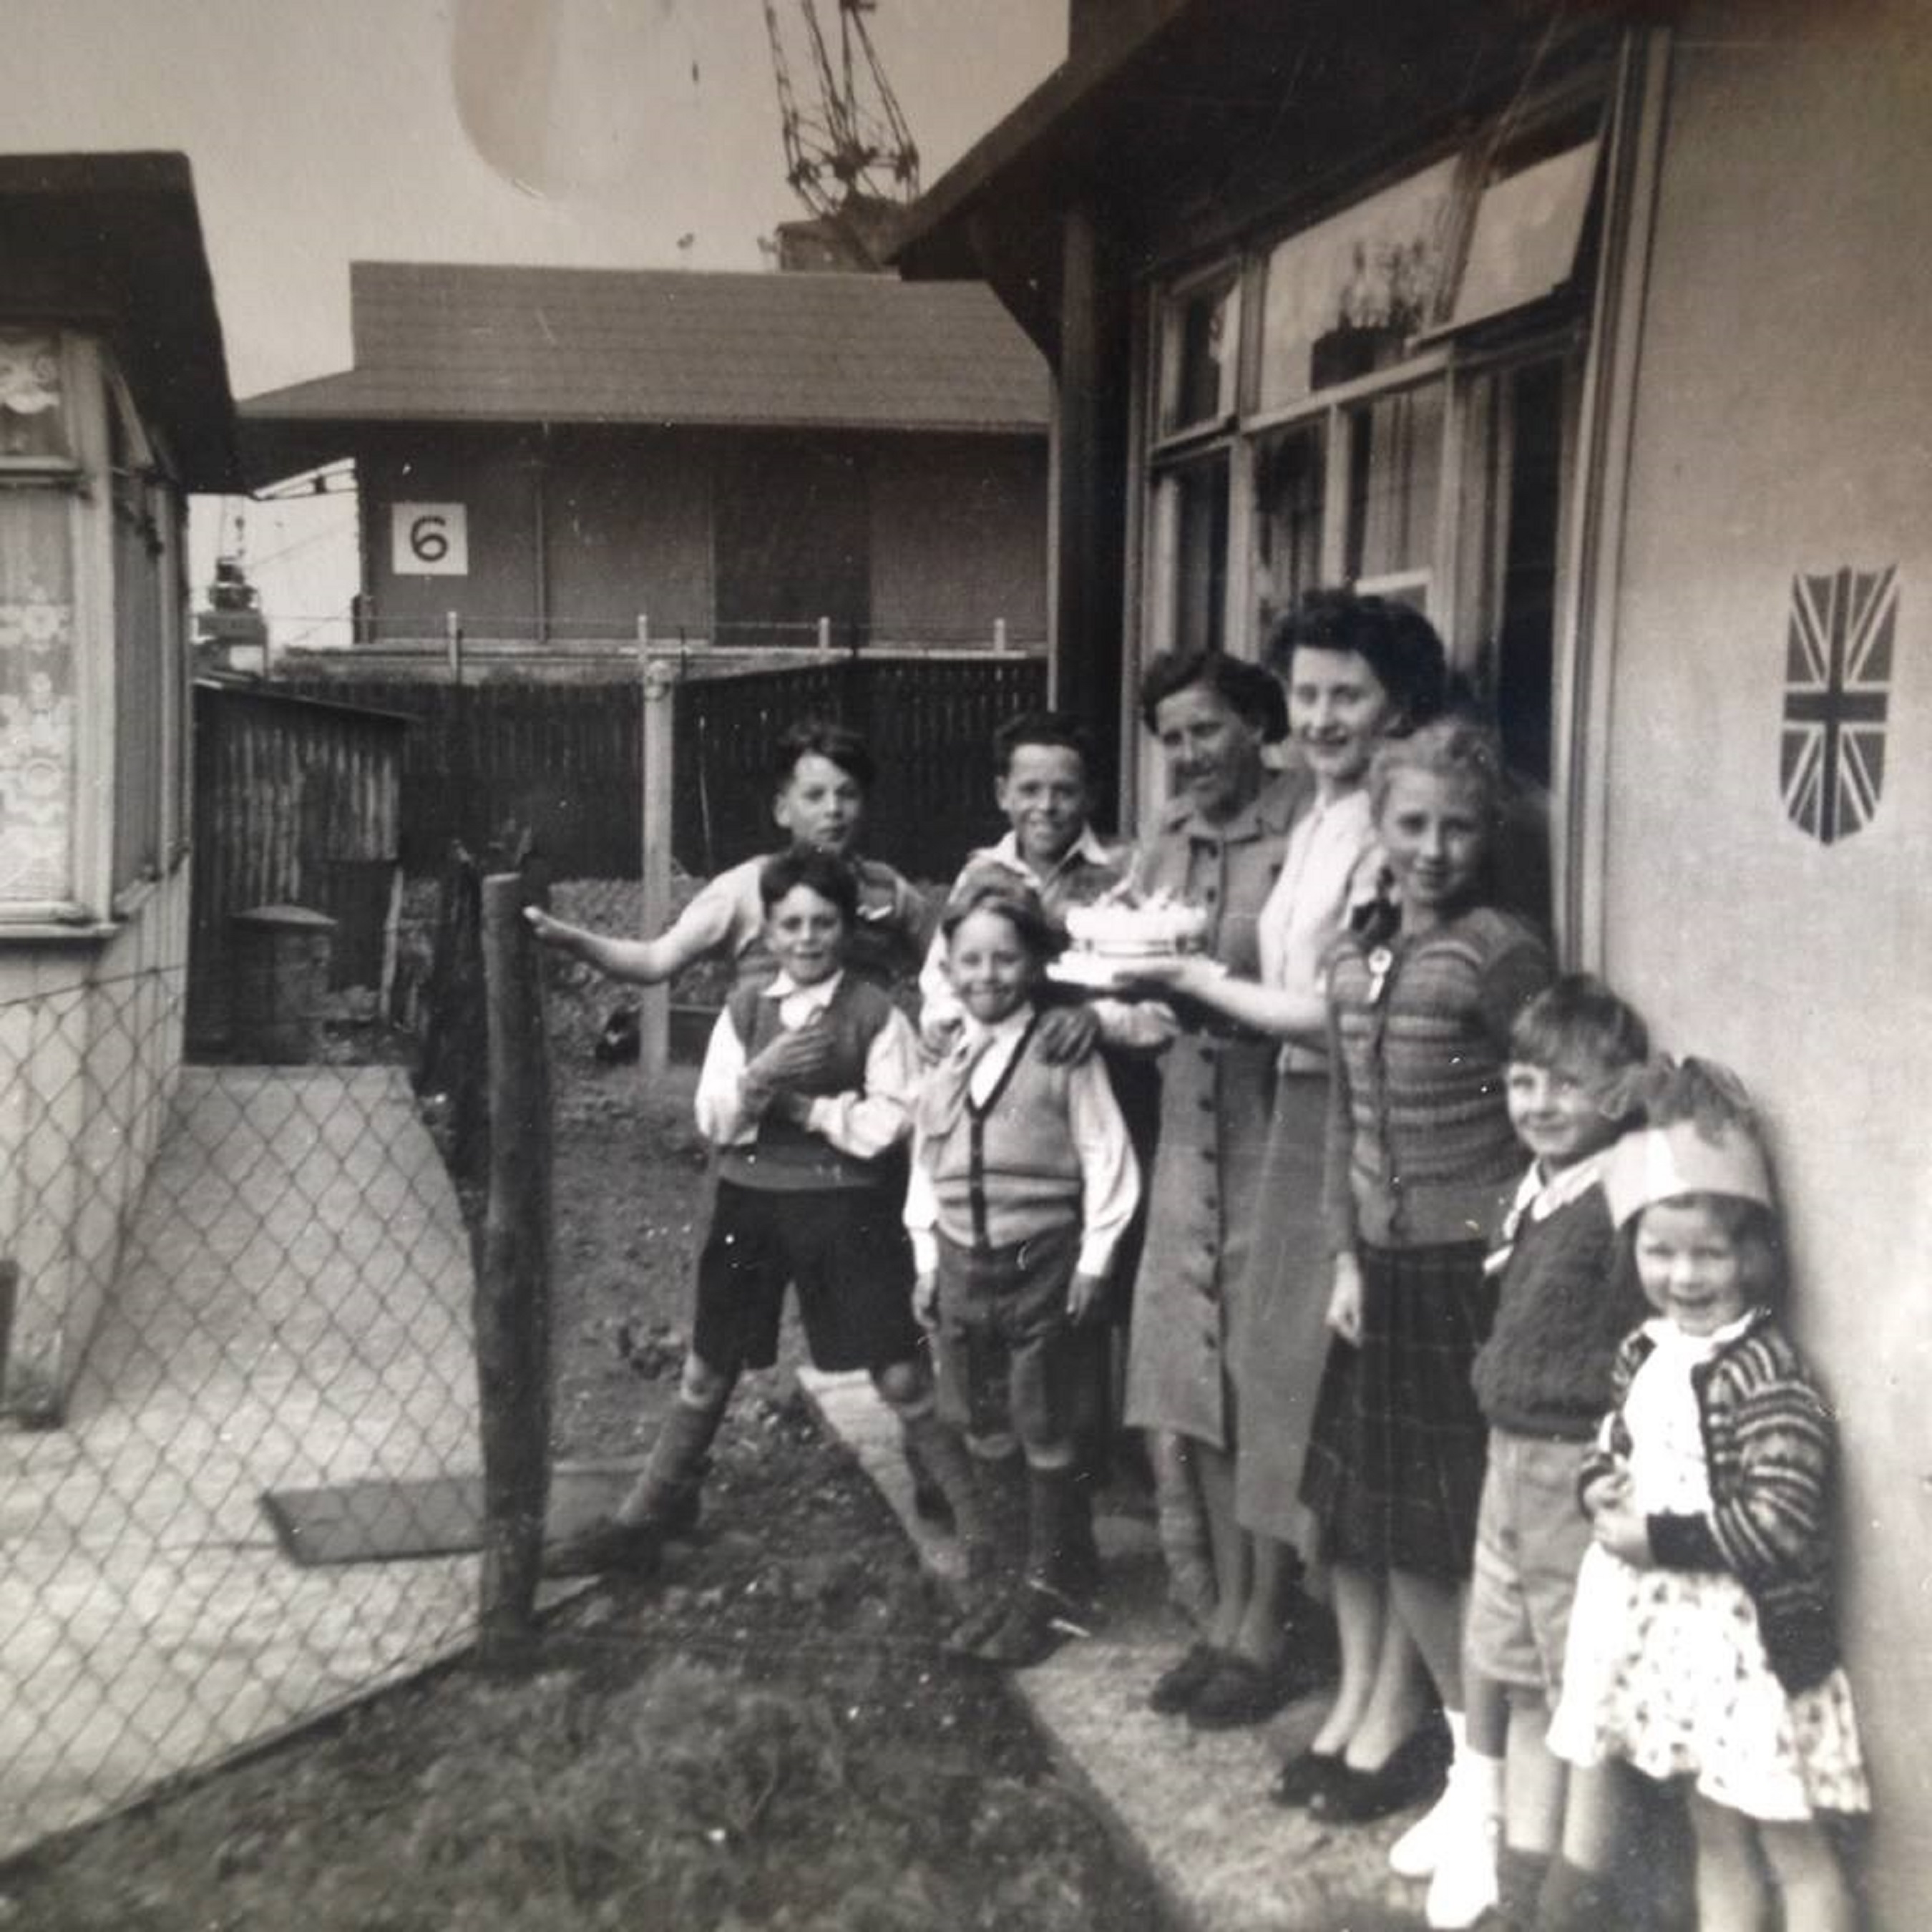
(90, 1047)
(1784, 424)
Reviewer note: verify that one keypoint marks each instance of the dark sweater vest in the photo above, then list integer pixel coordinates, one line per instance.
(785, 1155)
(1006, 1171)
(1570, 1295)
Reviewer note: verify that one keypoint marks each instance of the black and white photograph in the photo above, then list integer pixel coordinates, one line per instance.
(958, 965)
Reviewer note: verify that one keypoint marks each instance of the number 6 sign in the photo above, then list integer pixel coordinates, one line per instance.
(429, 540)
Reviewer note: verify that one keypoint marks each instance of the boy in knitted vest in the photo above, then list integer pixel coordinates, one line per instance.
(806, 1090)
(1568, 1295)
(1023, 1181)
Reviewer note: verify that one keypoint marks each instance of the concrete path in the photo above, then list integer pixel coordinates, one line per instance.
(292, 1310)
(1194, 1804)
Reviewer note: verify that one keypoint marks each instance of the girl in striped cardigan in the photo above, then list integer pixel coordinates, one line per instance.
(1702, 1646)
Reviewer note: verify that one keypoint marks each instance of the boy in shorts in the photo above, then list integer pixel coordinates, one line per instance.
(1023, 1182)
(822, 774)
(1567, 1296)
(805, 1093)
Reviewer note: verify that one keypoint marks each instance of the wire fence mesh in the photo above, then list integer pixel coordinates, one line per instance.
(241, 1347)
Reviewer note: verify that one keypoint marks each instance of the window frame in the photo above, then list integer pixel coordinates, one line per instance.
(1457, 357)
(95, 903)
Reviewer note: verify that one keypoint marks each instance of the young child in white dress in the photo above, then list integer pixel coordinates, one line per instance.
(1702, 1646)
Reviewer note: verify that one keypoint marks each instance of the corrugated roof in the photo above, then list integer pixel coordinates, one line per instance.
(439, 342)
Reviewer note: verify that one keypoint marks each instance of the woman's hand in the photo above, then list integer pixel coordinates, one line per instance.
(1182, 973)
(1086, 1295)
(1344, 1300)
(926, 1301)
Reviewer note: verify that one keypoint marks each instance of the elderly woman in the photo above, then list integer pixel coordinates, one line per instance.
(1353, 668)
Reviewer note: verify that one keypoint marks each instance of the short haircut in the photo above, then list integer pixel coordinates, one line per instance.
(823, 872)
(1012, 902)
(1043, 727)
(824, 738)
(1454, 747)
(1245, 688)
(1578, 1016)
(1394, 639)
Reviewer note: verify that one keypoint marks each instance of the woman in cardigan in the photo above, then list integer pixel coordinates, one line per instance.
(1353, 668)
(1420, 1154)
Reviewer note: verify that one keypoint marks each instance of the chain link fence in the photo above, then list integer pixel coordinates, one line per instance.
(241, 1375)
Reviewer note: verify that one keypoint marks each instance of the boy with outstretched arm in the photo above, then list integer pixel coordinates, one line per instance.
(822, 774)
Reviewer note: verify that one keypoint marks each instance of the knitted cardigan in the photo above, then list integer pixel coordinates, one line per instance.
(1420, 1149)
(1770, 1448)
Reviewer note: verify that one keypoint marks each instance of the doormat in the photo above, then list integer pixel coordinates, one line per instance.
(383, 1521)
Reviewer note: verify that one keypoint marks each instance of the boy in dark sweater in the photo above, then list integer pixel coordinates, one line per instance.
(806, 1095)
(1568, 1297)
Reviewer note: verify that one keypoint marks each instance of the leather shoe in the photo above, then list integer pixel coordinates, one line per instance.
(1414, 1770)
(1302, 1776)
(1240, 1691)
(1173, 1689)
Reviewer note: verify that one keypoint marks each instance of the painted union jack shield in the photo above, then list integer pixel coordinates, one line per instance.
(1838, 681)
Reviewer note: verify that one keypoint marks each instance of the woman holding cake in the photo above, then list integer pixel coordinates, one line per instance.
(1353, 668)
(1217, 847)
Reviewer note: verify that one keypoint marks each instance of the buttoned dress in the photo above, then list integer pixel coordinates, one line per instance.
(1217, 1088)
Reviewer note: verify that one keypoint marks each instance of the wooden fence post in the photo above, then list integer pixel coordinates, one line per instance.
(512, 1304)
(660, 715)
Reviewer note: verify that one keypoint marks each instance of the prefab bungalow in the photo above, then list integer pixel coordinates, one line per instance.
(1602, 334)
(739, 460)
(114, 404)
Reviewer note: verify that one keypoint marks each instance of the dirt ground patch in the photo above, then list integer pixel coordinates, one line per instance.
(765, 1735)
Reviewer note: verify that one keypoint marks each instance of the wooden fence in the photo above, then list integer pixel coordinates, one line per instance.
(563, 760)
(297, 801)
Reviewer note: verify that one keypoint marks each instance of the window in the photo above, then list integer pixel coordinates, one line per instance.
(146, 653)
(93, 697)
(37, 624)
(1400, 419)
(1198, 356)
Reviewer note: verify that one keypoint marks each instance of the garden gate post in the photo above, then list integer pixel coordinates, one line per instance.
(512, 1304)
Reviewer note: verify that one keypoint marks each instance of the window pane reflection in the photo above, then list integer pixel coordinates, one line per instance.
(1394, 482)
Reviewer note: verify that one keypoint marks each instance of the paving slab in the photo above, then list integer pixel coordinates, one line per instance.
(1193, 1805)
(293, 1307)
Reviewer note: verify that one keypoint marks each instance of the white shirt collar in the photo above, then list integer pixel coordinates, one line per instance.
(808, 999)
(1087, 846)
(1536, 1199)
(1541, 1197)
(974, 1036)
